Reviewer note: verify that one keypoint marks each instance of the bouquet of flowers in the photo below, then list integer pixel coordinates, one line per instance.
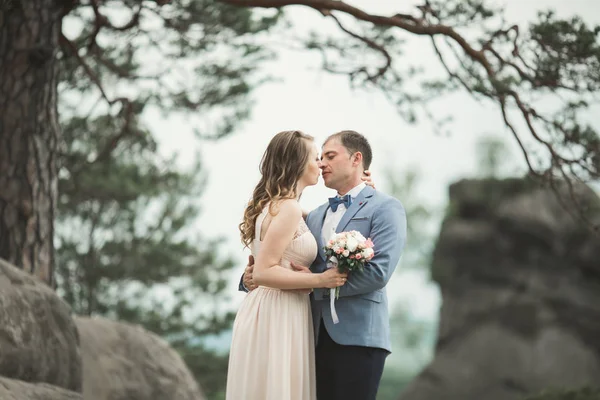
(349, 252)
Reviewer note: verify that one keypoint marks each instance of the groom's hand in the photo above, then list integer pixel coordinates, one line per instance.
(302, 269)
(247, 280)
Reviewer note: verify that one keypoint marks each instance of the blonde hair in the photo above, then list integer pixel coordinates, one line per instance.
(281, 167)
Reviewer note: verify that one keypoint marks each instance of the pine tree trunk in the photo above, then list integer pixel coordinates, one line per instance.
(29, 133)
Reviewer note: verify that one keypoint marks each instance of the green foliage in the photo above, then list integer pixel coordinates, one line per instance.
(125, 250)
(492, 154)
(186, 59)
(422, 217)
(574, 394)
(464, 12)
(126, 247)
(393, 381)
(568, 52)
(532, 73)
(412, 344)
(412, 337)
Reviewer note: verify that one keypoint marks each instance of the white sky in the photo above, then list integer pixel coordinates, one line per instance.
(321, 104)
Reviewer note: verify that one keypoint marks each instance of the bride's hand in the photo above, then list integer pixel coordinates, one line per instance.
(367, 178)
(333, 278)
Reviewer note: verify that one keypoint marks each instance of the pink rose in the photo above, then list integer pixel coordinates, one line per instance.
(358, 256)
(339, 251)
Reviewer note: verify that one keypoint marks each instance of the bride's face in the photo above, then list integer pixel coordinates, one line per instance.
(312, 169)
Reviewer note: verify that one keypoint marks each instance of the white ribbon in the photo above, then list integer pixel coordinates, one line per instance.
(332, 292)
(332, 306)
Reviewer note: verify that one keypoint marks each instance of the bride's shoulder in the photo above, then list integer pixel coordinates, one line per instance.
(287, 208)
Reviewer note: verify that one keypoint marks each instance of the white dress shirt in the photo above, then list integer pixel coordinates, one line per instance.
(332, 219)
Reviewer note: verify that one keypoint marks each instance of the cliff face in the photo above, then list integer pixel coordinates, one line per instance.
(520, 282)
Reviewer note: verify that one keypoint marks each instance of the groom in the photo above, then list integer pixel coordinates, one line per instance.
(350, 355)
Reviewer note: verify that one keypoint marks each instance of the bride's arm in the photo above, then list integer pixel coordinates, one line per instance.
(367, 178)
(280, 233)
(304, 214)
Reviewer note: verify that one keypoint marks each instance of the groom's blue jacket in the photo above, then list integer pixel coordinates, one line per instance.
(362, 306)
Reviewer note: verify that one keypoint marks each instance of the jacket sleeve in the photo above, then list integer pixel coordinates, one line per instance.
(241, 286)
(388, 233)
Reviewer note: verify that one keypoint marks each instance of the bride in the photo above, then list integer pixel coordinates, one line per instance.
(272, 349)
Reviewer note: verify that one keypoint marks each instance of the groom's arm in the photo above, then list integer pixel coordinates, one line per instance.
(388, 233)
(241, 286)
(246, 283)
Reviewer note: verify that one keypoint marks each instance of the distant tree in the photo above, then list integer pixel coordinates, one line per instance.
(412, 338)
(109, 61)
(126, 247)
(78, 79)
(492, 154)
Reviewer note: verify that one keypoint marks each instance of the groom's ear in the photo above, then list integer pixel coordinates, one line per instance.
(357, 158)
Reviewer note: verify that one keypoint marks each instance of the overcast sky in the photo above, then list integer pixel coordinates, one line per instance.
(321, 104)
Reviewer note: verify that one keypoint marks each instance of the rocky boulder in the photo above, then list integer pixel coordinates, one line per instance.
(12, 389)
(520, 282)
(576, 394)
(38, 337)
(125, 362)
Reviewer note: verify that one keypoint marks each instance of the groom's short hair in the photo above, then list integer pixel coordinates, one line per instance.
(353, 142)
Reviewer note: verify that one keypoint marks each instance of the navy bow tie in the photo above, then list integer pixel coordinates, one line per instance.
(334, 202)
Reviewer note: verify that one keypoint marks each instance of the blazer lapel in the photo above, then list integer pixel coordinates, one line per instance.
(358, 203)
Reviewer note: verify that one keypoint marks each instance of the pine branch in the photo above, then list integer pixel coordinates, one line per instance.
(485, 70)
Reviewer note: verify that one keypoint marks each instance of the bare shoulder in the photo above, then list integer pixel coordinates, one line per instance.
(288, 209)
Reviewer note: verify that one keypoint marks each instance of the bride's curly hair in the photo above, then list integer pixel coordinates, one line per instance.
(281, 167)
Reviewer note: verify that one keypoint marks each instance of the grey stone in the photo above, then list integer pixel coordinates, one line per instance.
(12, 389)
(125, 362)
(38, 337)
(520, 283)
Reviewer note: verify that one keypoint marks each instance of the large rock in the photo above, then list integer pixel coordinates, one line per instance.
(577, 394)
(38, 338)
(125, 362)
(11, 389)
(520, 282)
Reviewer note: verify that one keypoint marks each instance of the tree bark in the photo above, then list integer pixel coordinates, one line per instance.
(29, 133)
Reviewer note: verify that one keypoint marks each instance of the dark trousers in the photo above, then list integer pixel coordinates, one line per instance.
(347, 372)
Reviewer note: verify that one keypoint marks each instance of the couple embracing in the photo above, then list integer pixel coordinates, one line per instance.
(286, 343)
